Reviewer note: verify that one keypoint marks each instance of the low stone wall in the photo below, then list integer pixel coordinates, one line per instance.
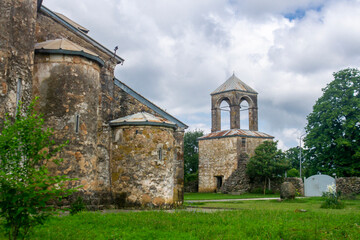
(348, 185)
(298, 184)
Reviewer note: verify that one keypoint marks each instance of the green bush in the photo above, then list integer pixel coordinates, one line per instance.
(26, 186)
(293, 173)
(191, 177)
(77, 206)
(332, 199)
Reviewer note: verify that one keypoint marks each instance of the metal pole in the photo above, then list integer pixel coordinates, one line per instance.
(300, 157)
(300, 160)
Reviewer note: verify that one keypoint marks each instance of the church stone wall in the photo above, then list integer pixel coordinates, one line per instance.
(218, 158)
(71, 85)
(17, 33)
(68, 88)
(225, 157)
(142, 158)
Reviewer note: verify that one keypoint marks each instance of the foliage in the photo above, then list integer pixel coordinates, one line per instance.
(293, 173)
(191, 177)
(333, 129)
(26, 187)
(77, 206)
(332, 198)
(268, 163)
(292, 155)
(191, 151)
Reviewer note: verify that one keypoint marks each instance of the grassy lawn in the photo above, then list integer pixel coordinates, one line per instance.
(252, 220)
(208, 196)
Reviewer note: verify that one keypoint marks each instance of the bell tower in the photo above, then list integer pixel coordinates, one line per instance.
(224, 153)
(234, 91)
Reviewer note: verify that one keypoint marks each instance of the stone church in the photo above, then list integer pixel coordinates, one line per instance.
(223, 154)
(123, 149)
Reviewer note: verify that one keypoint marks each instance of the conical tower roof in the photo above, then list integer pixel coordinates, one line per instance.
(65, 46)
(142, 118)
(234, 84)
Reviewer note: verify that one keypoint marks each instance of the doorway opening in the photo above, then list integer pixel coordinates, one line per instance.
(219, 182)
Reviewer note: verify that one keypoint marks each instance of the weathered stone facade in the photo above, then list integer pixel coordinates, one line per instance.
(225, 158)
(138, 171)
(223, 155)
(348, 185)
(17, 38)
(73, 76)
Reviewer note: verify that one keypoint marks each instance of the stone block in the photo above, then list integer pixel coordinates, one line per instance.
(287, 191)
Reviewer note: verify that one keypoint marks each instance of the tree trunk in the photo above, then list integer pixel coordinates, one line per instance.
(264, 186)
(269, 186)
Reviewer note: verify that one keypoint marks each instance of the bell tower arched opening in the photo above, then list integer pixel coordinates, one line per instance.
(225, 115)
(234, 92)
(244, 114)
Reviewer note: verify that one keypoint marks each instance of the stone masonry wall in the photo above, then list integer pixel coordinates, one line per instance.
(48, 29)
(217, 157)
(225, 157)
(348, 185)
(17, 33)
(63, 84)
(137, 171)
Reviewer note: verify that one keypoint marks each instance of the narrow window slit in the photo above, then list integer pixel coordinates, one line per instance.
(18, 93)
(160, 154)
(77, 123)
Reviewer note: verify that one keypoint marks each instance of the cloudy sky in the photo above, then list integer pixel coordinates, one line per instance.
(177, 52)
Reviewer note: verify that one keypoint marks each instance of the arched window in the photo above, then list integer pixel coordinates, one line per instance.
(244, 114)
(225, 115)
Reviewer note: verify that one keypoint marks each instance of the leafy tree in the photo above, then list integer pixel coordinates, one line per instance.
(267, 164)
(26, 187)
(333, 129)
(191, 152)
(292, 155)
(293, 173)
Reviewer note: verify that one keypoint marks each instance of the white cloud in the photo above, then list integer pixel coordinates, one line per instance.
(177, 52)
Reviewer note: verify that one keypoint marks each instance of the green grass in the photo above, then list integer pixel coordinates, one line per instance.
(208, 196)
(253, 220)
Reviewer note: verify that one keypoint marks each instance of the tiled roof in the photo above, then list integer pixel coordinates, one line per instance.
(142, 118)
(149, 104)
(236, 132)
(78, 26)
(234, 83)
(63, 44)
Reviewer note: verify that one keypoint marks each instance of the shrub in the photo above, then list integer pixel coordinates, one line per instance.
(77, 206)
(332, 198)
(191, 177)
(26, 187)
(293, 173)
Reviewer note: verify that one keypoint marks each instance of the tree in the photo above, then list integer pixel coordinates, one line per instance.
(26, 187)
(267, 164)
(293, 173)
(191, 151)
(333, 129)
(292, 155)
